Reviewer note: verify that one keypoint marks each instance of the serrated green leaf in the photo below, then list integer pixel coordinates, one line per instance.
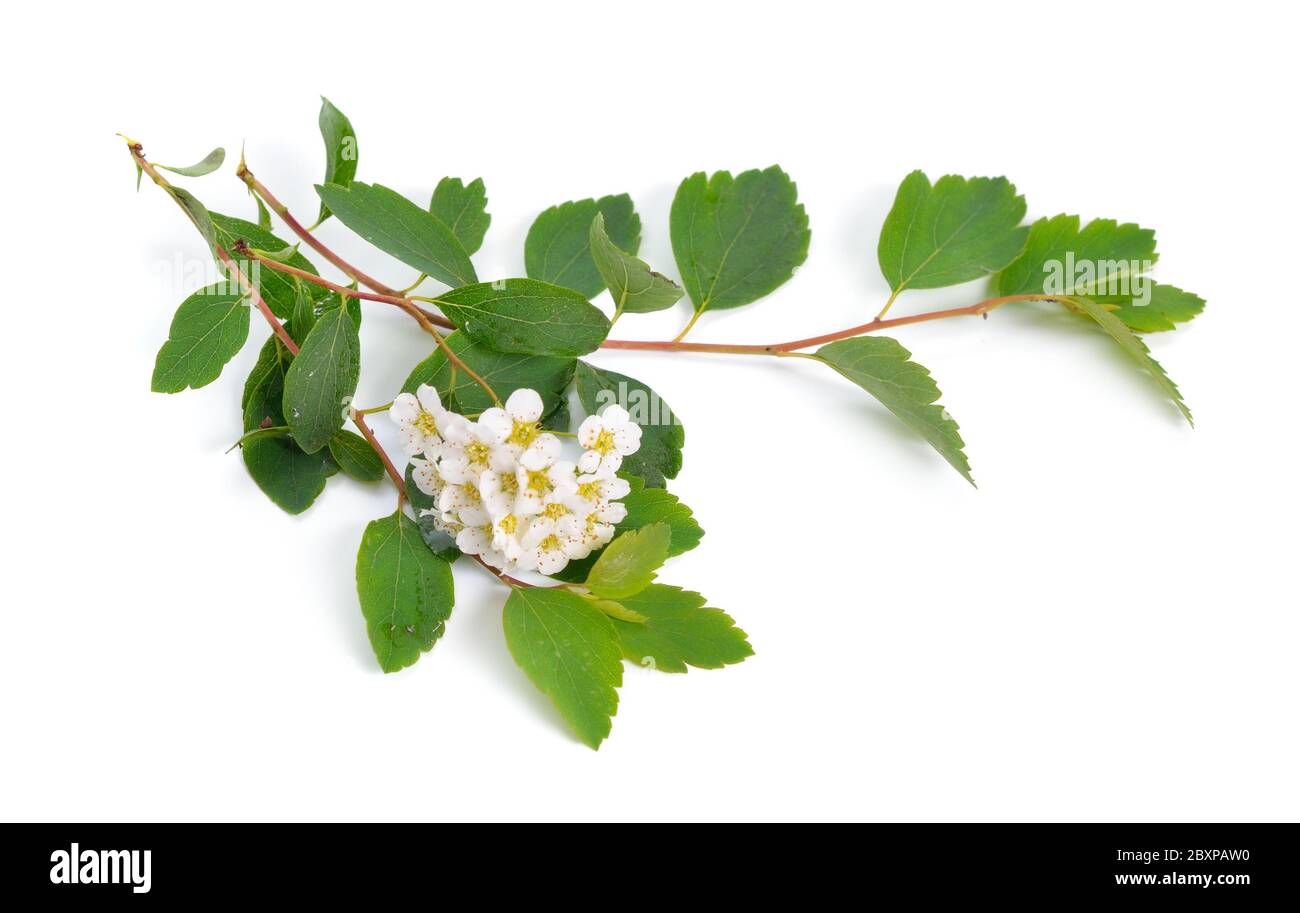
(322, 379)
(526, 316)
(1165, 307)
(882, 367)
(209, 329)
(662, 436)
(1134, 346)
(287, 475)
(957, 230)
(208, 164)
(645, 506)
(679, 631)
(628, 564)
(279, 290)
(401, 229)
(356, 457)
(505, 372)
(406, 591)
(569, 650)
(558, 247)
(340, 149)
(1060, 258)
(737, 239)
(462, 208)
(634, 286)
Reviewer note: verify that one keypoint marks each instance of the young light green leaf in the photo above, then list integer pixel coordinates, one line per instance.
(322, 379)
(1060, 258)
(549, 375)
(209, 329)
(340, 149)
(208, 164)
(569, 650)
(401, 229)
(406, 591)
(263, 214)
(279, 290)
(634, 286)
(617, 610)
(356, 457)
(1134, 346)
(291, 478)
(526, 317)
(558, 247)
(629, 563)
(957, 230)
(882, 367)
(645, 506)
(679, 631)
(1165, 307)
(462, 208)
(737, 239)
(662, 436)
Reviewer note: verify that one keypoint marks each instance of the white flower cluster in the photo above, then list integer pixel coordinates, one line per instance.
(500, 487)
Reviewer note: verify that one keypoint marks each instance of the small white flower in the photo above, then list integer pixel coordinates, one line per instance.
(468, 450)
(536, 486)
(425, 474)
(514, 427)
(545, 548)
(602, 487)
(608, 437)
(417, 416)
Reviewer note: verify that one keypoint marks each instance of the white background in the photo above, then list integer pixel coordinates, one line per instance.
(1105, 629)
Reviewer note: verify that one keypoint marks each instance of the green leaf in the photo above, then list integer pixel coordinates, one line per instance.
(356, 457)
(263, 214)
(1061, 259)
(198, 214)
(303, 317)
(662, 435)
(287, 475)
(549, 375)
(1135, 347)
(645, 506)
(340, 149)
(405, 590)
(634, 286)
(737, 239)
(279, 290)
(208, 164)
(290, 477)
(1166, 307)
(882, 367)
(616, 610)
(527, 317)
(955, 231)
(322, 379)
(569, 650)
(558, 247)
(398, 227)
(629, 563)
(462, 208)
(209, 329)
(679, 631)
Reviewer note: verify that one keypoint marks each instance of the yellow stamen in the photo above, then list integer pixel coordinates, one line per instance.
(604, 442)
(425, 423)
(522, 433)
(555, 511)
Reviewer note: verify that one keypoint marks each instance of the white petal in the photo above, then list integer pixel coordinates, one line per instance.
(589, 430)
(429, 400)
(551, 562)
(627, 439)
(614, 416)
(541, 453)
(426, 478)
(405, 408)
(496, 423)
(502, 459)
(615, 488)
(589, 462)
(524, 405)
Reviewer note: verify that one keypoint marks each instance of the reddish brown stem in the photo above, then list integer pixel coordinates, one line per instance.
(359, 420)
(301, 231)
